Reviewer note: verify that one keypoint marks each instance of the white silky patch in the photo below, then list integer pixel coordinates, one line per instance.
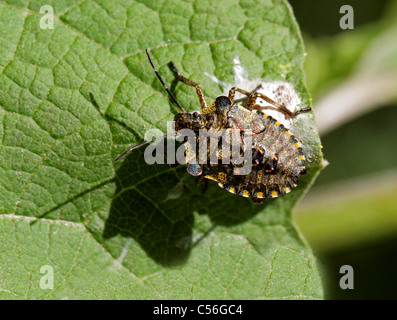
(279, 91)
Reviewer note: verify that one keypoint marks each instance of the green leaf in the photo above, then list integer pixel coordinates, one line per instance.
(133, 230)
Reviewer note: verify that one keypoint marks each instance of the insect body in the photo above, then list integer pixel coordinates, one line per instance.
(276, 155)
(277, 158)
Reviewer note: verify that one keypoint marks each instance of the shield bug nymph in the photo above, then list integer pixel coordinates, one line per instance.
(277, 159)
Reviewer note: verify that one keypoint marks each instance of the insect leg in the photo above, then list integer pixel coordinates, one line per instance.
(256, 89)
(306, 109)
(252, 101)
(232, 93)
(140, 145)
(191, 83)
(162, 82)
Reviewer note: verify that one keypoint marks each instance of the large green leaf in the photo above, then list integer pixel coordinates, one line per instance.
(133, 230)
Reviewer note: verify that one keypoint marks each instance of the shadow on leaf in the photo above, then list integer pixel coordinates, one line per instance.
(155, 205)
(150, 207)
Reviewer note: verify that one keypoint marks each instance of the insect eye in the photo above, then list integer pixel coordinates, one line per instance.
(195, 114)
(222, 103)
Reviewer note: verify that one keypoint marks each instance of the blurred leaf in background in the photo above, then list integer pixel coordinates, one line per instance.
(350, 216)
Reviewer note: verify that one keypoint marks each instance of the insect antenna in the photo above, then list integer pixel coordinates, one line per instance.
(162, 82)
(140, 145)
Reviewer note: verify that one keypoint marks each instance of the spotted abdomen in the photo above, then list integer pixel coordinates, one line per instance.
(277, 160)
